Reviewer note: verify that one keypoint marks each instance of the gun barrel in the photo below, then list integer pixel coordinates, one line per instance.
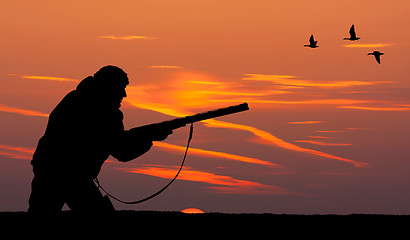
(216, 113)
(182, 121)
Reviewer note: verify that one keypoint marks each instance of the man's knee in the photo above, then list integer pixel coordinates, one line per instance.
(87, 198)
(45, 197)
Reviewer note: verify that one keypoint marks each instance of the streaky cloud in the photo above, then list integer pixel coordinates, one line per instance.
(290, 81)
(17, 152)
(267, 137)
(321, 137)
(329, 131)
(233, 93)
(372, 45)
(158, 108)
(266, 77)
(350, 128)
(256, 190)
(50, 78)
(204, 82)
(231, 185)
(184, 99)
(215, 154)
(306, 122)
(297, 102)
(323, 143)
(15, 156)
(389, 109)
(126, 37)
(165, 67)
(20, 111)
(18, 149)
(271, 139)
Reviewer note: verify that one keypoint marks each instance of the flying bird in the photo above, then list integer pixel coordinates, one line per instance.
(376, 55)
(312, 42)
(352, 33)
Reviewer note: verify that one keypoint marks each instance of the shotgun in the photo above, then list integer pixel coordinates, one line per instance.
(182, 121)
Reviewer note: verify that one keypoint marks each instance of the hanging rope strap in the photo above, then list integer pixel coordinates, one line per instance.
(166, 186)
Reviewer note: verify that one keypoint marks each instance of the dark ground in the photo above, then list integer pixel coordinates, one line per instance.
(166, 224)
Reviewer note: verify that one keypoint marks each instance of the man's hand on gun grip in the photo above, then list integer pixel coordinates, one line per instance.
(161, 134)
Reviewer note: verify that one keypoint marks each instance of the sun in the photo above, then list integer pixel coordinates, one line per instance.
(192, 210)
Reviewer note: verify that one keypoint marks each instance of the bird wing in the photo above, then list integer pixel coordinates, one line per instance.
(352, 32)
(311, 39)
(377, 56)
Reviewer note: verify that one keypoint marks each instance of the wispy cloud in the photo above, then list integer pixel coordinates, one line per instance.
(237, 93)
(267, 138)
(185, 90)
(322, 137)
(50, 78)
(265, 77)
(214, 154)
(271, 139)
(389, 109)
(323, 143)
(203, 82)
(180, 96)
(306, 122)
(132, 37)
(17, 152)
(161, 108)
(196, 90)
(329, 131)
(165, 67)
(371, 45)
(21, 111)
(14, 155)
(227, 184)
(355, 128)
(298, 102)
(290, 81)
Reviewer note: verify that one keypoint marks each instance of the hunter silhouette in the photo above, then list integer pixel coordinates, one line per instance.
(82, 131)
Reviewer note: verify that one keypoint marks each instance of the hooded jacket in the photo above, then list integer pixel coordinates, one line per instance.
(81, 133)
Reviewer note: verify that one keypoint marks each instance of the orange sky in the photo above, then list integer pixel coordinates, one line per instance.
(327, 127)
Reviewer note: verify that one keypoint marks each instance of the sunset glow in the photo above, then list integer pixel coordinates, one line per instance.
(326, 131)
(192, 210)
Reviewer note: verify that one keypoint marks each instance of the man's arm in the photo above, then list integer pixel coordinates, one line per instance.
(137, 141)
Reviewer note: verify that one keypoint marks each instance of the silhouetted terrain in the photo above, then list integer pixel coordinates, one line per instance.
(157, 223)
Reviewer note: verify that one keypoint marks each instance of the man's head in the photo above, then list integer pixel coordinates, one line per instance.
(111, 81)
